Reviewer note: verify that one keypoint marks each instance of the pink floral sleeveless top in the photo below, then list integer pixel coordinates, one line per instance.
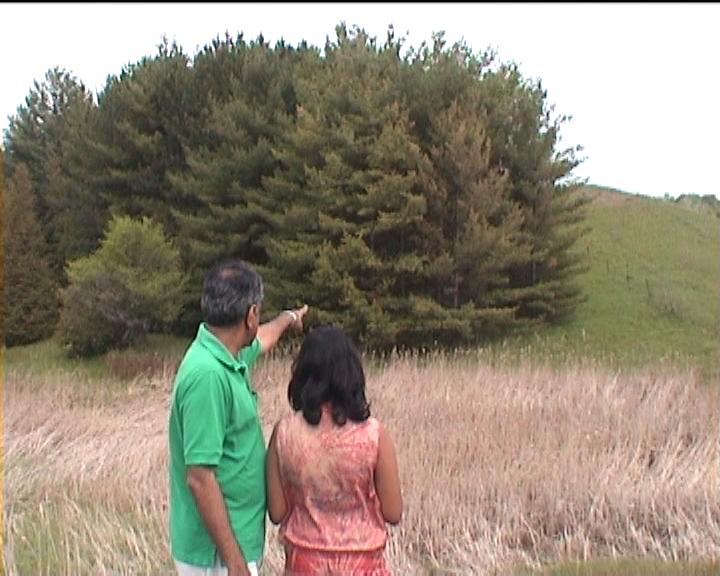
(327, 473)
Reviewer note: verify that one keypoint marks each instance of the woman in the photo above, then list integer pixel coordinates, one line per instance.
(332, 474)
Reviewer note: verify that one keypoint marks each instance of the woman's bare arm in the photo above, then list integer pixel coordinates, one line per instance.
(387, 479)
(277, 505)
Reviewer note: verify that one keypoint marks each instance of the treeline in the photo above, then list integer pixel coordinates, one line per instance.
(415, 197)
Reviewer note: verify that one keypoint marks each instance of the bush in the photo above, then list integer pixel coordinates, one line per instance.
(131, 284)
(99, 313)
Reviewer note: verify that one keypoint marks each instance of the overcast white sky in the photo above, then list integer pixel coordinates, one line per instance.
(641, 81)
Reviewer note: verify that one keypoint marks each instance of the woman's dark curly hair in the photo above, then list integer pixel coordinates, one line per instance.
(328, 368)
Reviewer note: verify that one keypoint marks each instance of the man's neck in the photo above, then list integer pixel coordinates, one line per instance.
(232, 338)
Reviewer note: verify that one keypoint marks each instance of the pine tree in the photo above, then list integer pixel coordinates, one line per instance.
(250, 93)
(352, 232)
(478, 224)
(31, 302)
(524, 138)
(79, 207)
(41, 136)
(145, 117)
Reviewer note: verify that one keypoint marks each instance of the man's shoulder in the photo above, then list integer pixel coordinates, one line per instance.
(250, 353)
(198, 364)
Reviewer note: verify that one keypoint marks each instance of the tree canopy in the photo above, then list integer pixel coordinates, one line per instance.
(414, 196)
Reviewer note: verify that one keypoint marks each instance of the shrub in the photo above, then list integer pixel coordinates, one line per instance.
(130, 285)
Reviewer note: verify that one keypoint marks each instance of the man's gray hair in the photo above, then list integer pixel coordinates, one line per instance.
(229, 290)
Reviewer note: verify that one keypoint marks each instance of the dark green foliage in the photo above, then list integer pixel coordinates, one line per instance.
(348, 182)
(247, 105)
(48, 135)
(416, 199)
(77, 210)
(524, 138)
(145, 116)
(31, 301)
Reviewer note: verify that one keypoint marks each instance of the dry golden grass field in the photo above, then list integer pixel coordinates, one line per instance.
(506, 468)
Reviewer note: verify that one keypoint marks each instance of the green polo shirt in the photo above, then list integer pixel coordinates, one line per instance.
(214, 422)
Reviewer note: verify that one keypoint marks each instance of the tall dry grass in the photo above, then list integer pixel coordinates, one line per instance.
(501, 466)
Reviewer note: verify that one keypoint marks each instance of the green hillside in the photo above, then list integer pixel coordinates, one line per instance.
(653, 283)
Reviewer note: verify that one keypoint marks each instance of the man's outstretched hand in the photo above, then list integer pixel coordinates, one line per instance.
(270, 332)
(297, 324)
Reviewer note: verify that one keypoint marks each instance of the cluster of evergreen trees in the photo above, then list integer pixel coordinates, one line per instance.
(413, 198)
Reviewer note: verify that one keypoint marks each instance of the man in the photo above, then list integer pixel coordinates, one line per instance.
(217, 449)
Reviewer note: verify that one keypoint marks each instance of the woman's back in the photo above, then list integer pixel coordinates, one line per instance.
(332, 475)
(327, 474)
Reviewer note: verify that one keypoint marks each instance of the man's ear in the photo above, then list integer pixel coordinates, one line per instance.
(251, 318)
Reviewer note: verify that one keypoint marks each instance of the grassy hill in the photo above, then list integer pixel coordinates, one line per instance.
(652, 287)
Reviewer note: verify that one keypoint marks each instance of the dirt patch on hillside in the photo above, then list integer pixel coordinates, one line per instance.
(610, 197)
